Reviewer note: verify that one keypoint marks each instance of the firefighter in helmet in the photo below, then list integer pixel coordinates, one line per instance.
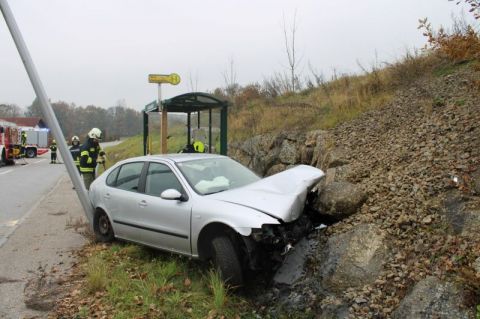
(24, 143)
(53, 152)
(90, 155)
(75, 151)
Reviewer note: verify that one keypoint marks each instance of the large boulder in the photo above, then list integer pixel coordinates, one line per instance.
(289, 153)
(293, 267)
(337, 156)
(432, 298)
(321, 145)
(338, 174)
(353, 259)
(476, 182)
(462, 217)
(338, 200)
(259, 153)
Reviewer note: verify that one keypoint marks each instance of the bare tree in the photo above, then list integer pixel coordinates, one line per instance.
(293, 60)
(193, 81)
(10, 110)
(474, 6)
(230, 79)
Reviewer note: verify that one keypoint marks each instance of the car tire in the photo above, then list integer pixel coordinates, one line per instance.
(226, 261)
(102, 227)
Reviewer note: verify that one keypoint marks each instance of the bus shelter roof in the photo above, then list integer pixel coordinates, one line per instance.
(188, 103)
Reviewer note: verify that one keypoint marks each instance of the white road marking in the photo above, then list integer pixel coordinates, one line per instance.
(6, 172)
(10, 223)
(40, 161)
(18, 222)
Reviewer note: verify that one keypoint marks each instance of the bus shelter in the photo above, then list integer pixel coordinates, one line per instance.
(188, 103)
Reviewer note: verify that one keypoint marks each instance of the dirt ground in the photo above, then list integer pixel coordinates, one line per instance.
(39, 254)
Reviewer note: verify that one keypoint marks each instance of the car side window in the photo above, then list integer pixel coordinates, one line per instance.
(159, 178)
(129, 176)
(112, 177)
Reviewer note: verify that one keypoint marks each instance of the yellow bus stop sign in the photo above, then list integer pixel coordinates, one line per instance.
(173, 78)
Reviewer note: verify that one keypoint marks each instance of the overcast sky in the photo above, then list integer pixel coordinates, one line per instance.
(97, 52)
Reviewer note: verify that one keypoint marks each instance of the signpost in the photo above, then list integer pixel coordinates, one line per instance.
(173, 79)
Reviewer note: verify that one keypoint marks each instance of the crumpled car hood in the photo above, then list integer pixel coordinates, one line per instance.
(281, 195)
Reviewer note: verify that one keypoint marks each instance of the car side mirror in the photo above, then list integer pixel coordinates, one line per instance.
(172, 194)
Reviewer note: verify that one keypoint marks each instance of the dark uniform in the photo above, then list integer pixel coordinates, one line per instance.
(53, 153)
(89, 152)
(75, 151)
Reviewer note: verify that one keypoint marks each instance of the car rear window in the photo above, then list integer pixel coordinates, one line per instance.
(112, 177)
(129, 176)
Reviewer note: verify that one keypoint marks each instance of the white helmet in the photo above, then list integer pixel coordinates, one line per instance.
(95, 133)
(75, 139)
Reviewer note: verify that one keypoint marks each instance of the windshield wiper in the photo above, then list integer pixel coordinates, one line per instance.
(222, 190)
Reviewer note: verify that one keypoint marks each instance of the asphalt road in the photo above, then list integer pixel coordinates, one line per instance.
(38, 211)
(21, 189)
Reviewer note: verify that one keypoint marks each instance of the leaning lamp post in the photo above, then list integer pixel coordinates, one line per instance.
(46, 108)
(173, 79)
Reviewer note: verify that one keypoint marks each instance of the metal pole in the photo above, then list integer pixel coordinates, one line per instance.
(164, 124)
(188, 128)
(46, 108)
(210, 130)
(145, 132)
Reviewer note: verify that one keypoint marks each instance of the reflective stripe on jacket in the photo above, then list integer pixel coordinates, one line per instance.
(75, 151)
(88, 156)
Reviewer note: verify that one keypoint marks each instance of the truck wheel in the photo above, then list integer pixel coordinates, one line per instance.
(102, 227)
(3, 159)
(31, 153)
(225, 259)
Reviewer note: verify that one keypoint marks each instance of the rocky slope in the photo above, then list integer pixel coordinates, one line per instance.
(403, 188)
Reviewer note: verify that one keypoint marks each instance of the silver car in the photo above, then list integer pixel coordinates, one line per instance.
(203, 206)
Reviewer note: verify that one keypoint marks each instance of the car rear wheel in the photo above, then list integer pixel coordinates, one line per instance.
(102, 227)
(227, 262)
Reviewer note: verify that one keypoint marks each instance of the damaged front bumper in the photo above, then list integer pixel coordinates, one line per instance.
(275, 241)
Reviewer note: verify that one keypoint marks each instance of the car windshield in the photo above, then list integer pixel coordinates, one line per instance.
(214, 175)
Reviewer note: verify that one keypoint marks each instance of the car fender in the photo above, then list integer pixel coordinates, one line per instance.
(239, 218)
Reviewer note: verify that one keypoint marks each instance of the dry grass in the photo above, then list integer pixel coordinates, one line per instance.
(96, 275)
(331, 103)
(80, 226)
(345, 97)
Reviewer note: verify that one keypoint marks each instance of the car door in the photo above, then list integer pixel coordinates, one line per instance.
(167, 222)
(122, 198)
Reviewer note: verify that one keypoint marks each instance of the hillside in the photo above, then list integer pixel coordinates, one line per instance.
(401, 150)
(416, 160)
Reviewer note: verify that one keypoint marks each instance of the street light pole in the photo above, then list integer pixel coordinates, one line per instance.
(46, 108)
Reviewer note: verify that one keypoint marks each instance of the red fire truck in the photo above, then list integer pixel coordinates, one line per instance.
(10, 147)
(10, 142)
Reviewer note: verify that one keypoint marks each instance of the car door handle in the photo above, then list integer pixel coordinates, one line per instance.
(143, 203)
(106, 196)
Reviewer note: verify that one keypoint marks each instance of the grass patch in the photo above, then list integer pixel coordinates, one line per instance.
(133, 281)
(96, 272)
(219, 290)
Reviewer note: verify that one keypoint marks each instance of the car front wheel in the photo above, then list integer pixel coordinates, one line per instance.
(227, 262)
(102, 227)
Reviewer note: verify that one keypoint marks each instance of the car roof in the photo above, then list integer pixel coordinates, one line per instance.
(177, 157)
